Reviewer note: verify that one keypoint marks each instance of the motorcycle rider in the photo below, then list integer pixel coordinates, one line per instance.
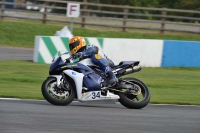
(79, 50)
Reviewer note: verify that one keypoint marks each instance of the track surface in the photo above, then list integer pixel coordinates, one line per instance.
(28, 116)
(13, 53)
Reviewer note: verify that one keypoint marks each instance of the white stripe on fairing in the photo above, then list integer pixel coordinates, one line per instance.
(44, 52)
(58, 43)
(95, 42)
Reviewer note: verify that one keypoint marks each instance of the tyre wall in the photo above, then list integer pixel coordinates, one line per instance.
(150, 53)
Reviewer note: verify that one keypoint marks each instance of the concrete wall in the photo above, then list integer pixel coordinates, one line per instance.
(181, 54)
(151, 53)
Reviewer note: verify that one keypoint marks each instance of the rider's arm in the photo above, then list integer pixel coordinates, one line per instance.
(88, 52)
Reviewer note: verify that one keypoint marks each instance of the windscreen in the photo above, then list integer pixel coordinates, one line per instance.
(63, 54)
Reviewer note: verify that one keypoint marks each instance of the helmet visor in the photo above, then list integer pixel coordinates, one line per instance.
(73, 46)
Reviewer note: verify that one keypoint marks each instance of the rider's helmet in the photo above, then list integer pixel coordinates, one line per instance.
(77, 44)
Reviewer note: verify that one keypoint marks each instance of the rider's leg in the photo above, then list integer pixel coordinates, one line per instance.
(101, 62)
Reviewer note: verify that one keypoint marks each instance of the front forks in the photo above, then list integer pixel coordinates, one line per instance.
(58, 79)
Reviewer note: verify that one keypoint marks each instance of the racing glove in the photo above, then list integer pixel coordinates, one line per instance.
(77, 55)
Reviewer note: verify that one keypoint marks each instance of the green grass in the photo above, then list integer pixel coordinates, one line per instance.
(22, 79)
(21, 34)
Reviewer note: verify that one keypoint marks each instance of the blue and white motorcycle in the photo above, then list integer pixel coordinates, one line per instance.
(85, 82)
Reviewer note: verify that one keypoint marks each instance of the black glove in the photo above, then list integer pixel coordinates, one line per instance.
(67, 60)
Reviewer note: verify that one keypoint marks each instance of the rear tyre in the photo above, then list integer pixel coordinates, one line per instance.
(57, 96)
(135, 101)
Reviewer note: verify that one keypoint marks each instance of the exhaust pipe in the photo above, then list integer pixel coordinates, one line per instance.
(133, 69)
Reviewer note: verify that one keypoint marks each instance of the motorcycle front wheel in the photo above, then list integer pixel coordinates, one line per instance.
(136, 99)
(57, 95)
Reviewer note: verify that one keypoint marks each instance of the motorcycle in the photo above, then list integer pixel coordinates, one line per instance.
(85, 82)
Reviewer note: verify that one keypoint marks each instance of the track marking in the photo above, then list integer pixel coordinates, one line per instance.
(97, 103)
(10, 99)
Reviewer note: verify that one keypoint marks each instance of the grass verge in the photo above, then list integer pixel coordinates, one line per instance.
(21, 34)
(22, 79)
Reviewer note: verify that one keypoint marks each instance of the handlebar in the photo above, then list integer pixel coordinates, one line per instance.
(68, 59)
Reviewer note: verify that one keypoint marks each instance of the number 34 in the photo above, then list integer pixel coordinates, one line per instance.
(95, 95)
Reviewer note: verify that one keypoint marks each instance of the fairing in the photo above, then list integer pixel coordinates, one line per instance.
(83, 76)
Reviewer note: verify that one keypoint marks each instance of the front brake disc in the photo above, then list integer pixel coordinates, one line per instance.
(54, 90)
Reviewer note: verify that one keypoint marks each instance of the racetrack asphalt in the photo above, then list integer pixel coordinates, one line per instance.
(15, 53)
(30, 116)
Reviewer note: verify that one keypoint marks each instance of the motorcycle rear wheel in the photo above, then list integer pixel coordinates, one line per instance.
(133, 101)
(55, 95)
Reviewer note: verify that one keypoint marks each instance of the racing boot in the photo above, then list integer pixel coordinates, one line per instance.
(112, 78)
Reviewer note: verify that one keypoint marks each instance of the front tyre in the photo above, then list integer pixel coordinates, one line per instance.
(57, 96)
(132, 99)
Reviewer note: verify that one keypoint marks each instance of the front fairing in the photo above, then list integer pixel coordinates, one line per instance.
(58, 61)
(56, 66)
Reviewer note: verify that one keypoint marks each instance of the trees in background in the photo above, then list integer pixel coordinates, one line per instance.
(174, 4)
